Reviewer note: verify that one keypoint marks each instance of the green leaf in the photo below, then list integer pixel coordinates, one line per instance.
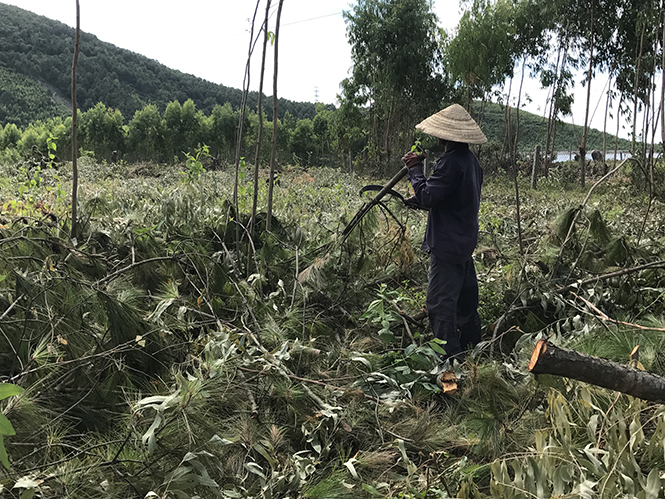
(653, 484)
(363, 361)
(6, 427)
(371, 490)
(7, 389)
(387, 336)
(434, 345)
(4, 459)
(255, 468)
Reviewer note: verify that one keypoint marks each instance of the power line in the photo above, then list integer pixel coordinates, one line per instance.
(235, 35)
(312, 19)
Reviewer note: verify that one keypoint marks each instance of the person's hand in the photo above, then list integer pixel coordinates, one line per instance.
(413, 203)
(411, 159)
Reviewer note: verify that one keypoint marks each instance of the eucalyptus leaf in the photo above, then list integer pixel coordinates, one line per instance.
(6, 427)
(8, 390)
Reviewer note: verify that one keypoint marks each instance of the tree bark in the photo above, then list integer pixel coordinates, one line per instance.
(553, 109)
(75, 170)
(550, 359)
(259, 139)
(273, 148)
(534, 168)
(588, 102)
(513, 159)
(662, 89)
(636, 87)
(607, 110)
(241, 126)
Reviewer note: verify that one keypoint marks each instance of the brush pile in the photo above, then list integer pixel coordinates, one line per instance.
(156, 361)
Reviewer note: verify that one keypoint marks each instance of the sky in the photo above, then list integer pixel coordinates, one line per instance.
(210, 38)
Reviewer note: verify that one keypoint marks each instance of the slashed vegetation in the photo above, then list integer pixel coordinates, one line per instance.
(155, 362)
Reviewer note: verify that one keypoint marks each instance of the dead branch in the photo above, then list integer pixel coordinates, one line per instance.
(618, 273)
(603, 316)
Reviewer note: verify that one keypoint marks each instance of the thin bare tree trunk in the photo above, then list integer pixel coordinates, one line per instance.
(259, 139)
(514, 162)
(637, 80)
(241, 126)
(506, 121)
(650, 158)
(662, 89)
(273, 149)
(616, 134)
(588, 101)
(551, 119)
(75, 170)
(607, 110)
(517, 108)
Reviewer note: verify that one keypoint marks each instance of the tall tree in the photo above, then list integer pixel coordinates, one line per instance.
(480, 55)
(101, 131)
(397, 69)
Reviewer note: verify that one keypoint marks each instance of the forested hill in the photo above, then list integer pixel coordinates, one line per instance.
(533, 131)
(35, 78)
(35, 75)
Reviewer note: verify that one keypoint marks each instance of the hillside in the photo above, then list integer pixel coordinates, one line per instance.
(35, 72)
(35, 69)
(533, 131)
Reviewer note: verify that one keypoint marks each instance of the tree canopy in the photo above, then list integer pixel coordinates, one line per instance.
(397, 68)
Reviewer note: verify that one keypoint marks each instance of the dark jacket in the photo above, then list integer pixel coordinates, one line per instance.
(452, 194)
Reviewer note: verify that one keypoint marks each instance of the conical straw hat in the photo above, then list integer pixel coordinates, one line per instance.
(455, 124)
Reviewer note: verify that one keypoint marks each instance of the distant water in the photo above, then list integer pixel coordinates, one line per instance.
(570, 156)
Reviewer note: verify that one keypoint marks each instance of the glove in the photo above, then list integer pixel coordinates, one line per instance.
(411, 159)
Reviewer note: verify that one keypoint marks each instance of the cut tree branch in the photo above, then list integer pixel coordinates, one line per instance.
(618, 273)
(550, 359)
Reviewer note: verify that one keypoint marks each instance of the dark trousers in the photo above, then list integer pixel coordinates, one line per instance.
(452, 305)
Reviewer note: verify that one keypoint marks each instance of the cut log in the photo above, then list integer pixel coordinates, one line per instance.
(550, 359)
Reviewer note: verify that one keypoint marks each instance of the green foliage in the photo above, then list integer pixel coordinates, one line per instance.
(533, 130)
(377, 313)
(194, 165)
(148, 347)
(10, 136)
(592, 449)
(146, 135)
(23, 100)
(397, 69)
(302, 142)
(6, 428)
(481, 54)
(102, 131)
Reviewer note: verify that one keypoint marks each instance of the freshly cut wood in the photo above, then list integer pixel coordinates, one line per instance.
(448, 382)
(550, 359)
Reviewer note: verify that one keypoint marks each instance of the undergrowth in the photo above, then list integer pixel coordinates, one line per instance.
(156, 361)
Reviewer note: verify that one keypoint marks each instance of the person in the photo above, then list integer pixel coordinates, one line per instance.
(452, 195)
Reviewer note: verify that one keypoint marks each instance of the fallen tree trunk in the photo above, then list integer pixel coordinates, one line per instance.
(550, 359)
